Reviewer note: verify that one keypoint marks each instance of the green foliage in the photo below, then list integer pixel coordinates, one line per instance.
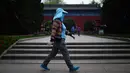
(88, 25)
(54, 2)
(102, 1)
(93, 2)
(115, 14)
(30, 14)
(48, 25)
(20, 16)
(6, 41)
(69, 23)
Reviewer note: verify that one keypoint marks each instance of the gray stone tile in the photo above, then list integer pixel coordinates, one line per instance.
(95, 72)
(82, 38)
(117, 67)
(117, 72)
(91, 67)
(34, 68)
(57, 71)
(62, 68)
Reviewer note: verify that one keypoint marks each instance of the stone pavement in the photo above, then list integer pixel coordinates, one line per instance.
(82, 38)
(62, 68)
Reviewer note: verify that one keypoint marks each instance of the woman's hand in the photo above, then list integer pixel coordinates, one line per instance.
(73, 37)
(50, 43)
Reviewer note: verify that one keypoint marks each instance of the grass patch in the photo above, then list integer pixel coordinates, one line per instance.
(8, 40)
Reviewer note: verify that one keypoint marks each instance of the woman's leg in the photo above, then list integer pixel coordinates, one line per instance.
(65, 53)
(51, 55)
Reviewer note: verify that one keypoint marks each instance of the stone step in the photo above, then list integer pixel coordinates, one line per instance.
(72, 56)
(106, 61)
(95, 52)
(71, 51)
(73, 46)
(77, 43)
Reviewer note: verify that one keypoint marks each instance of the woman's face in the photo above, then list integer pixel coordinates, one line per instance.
(63, 16)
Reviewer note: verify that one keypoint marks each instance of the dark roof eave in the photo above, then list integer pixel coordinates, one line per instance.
(73, 8)
(70, 5)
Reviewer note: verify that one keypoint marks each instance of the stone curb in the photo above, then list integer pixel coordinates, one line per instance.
(31, 38)
(110, 37)
(118, 38)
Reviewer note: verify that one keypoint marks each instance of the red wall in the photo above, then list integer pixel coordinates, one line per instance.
(79, 20)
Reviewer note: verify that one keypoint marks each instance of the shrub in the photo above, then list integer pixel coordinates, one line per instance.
(89, 25)
(48, 25)
(6, 41)
(69, 23)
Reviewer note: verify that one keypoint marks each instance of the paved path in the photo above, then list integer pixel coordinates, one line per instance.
(82, 38)
(62, 68)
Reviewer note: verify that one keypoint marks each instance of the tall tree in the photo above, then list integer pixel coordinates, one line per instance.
(82, 2)
(20, 16)
(94, 2)
(54, 2)
(102, 1)
(115, 14)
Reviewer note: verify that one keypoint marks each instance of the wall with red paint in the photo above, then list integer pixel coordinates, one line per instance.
(79, 20)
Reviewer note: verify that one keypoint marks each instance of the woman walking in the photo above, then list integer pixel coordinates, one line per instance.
(58, 36)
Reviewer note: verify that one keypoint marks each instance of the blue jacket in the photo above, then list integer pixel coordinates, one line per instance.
(60, 13)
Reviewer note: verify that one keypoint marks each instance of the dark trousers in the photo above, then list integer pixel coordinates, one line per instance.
(78, 33)
(59, 45)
